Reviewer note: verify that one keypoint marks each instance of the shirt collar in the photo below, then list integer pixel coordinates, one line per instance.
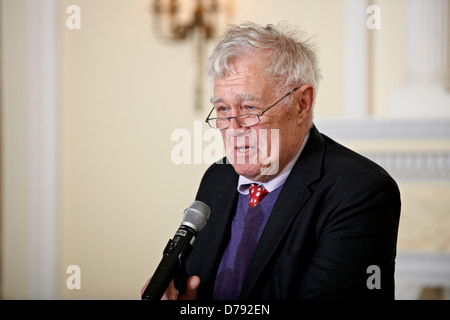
(244, 183)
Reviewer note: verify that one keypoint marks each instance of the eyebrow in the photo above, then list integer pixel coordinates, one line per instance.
(238, 98)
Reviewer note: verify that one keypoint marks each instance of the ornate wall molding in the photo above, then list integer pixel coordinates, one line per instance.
(403, 165)
(415, 270)
(414, 166)
(368, 128)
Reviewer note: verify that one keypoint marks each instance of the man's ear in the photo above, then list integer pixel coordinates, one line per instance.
(305, 99)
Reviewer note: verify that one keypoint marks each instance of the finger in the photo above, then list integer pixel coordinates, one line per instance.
(191, 289)
(170, 293)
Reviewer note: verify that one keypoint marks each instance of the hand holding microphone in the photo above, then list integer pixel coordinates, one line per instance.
(170, 275)
(172, 294)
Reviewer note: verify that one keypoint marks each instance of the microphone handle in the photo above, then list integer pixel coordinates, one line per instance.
(172, 265)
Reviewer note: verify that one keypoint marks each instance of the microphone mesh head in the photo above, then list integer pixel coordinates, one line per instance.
(196, 215)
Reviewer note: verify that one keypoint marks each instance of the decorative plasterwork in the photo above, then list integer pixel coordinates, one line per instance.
(409, 164)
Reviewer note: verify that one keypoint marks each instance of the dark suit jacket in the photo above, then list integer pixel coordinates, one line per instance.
(337, 214)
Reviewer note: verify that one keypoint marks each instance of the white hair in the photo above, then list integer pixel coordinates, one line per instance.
(291, 58)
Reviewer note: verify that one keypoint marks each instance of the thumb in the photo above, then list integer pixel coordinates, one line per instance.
(191, 289)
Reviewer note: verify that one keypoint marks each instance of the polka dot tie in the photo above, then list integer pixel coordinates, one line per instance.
(256, 193)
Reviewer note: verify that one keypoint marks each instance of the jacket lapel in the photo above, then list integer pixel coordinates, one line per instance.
(292, 198)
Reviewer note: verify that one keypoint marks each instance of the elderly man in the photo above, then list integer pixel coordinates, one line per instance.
(294, 215)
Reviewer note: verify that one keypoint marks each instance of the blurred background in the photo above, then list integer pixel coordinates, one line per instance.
(103, 140)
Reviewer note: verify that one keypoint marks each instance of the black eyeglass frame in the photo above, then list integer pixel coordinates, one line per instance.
(248, 114)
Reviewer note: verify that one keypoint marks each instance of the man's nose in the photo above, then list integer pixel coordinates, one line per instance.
(234, 124)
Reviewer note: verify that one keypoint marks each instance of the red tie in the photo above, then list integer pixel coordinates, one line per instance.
(256, 193)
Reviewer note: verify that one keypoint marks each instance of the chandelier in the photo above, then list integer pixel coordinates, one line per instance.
(194, 20)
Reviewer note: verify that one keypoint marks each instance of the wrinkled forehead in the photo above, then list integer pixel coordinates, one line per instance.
(245, 85)
(238, 98)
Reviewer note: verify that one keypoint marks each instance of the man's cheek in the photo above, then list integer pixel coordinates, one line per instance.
(269, 150)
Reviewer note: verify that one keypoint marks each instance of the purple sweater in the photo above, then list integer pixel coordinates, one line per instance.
(246, 229)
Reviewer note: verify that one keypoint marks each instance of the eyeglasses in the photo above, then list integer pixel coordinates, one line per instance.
(244, 120)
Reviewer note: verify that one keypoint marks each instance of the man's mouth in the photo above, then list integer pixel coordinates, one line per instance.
(244, 149)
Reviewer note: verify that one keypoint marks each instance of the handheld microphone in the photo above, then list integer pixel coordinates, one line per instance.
(176, 253)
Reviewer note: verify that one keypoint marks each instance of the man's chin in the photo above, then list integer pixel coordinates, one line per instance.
(252, 172)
